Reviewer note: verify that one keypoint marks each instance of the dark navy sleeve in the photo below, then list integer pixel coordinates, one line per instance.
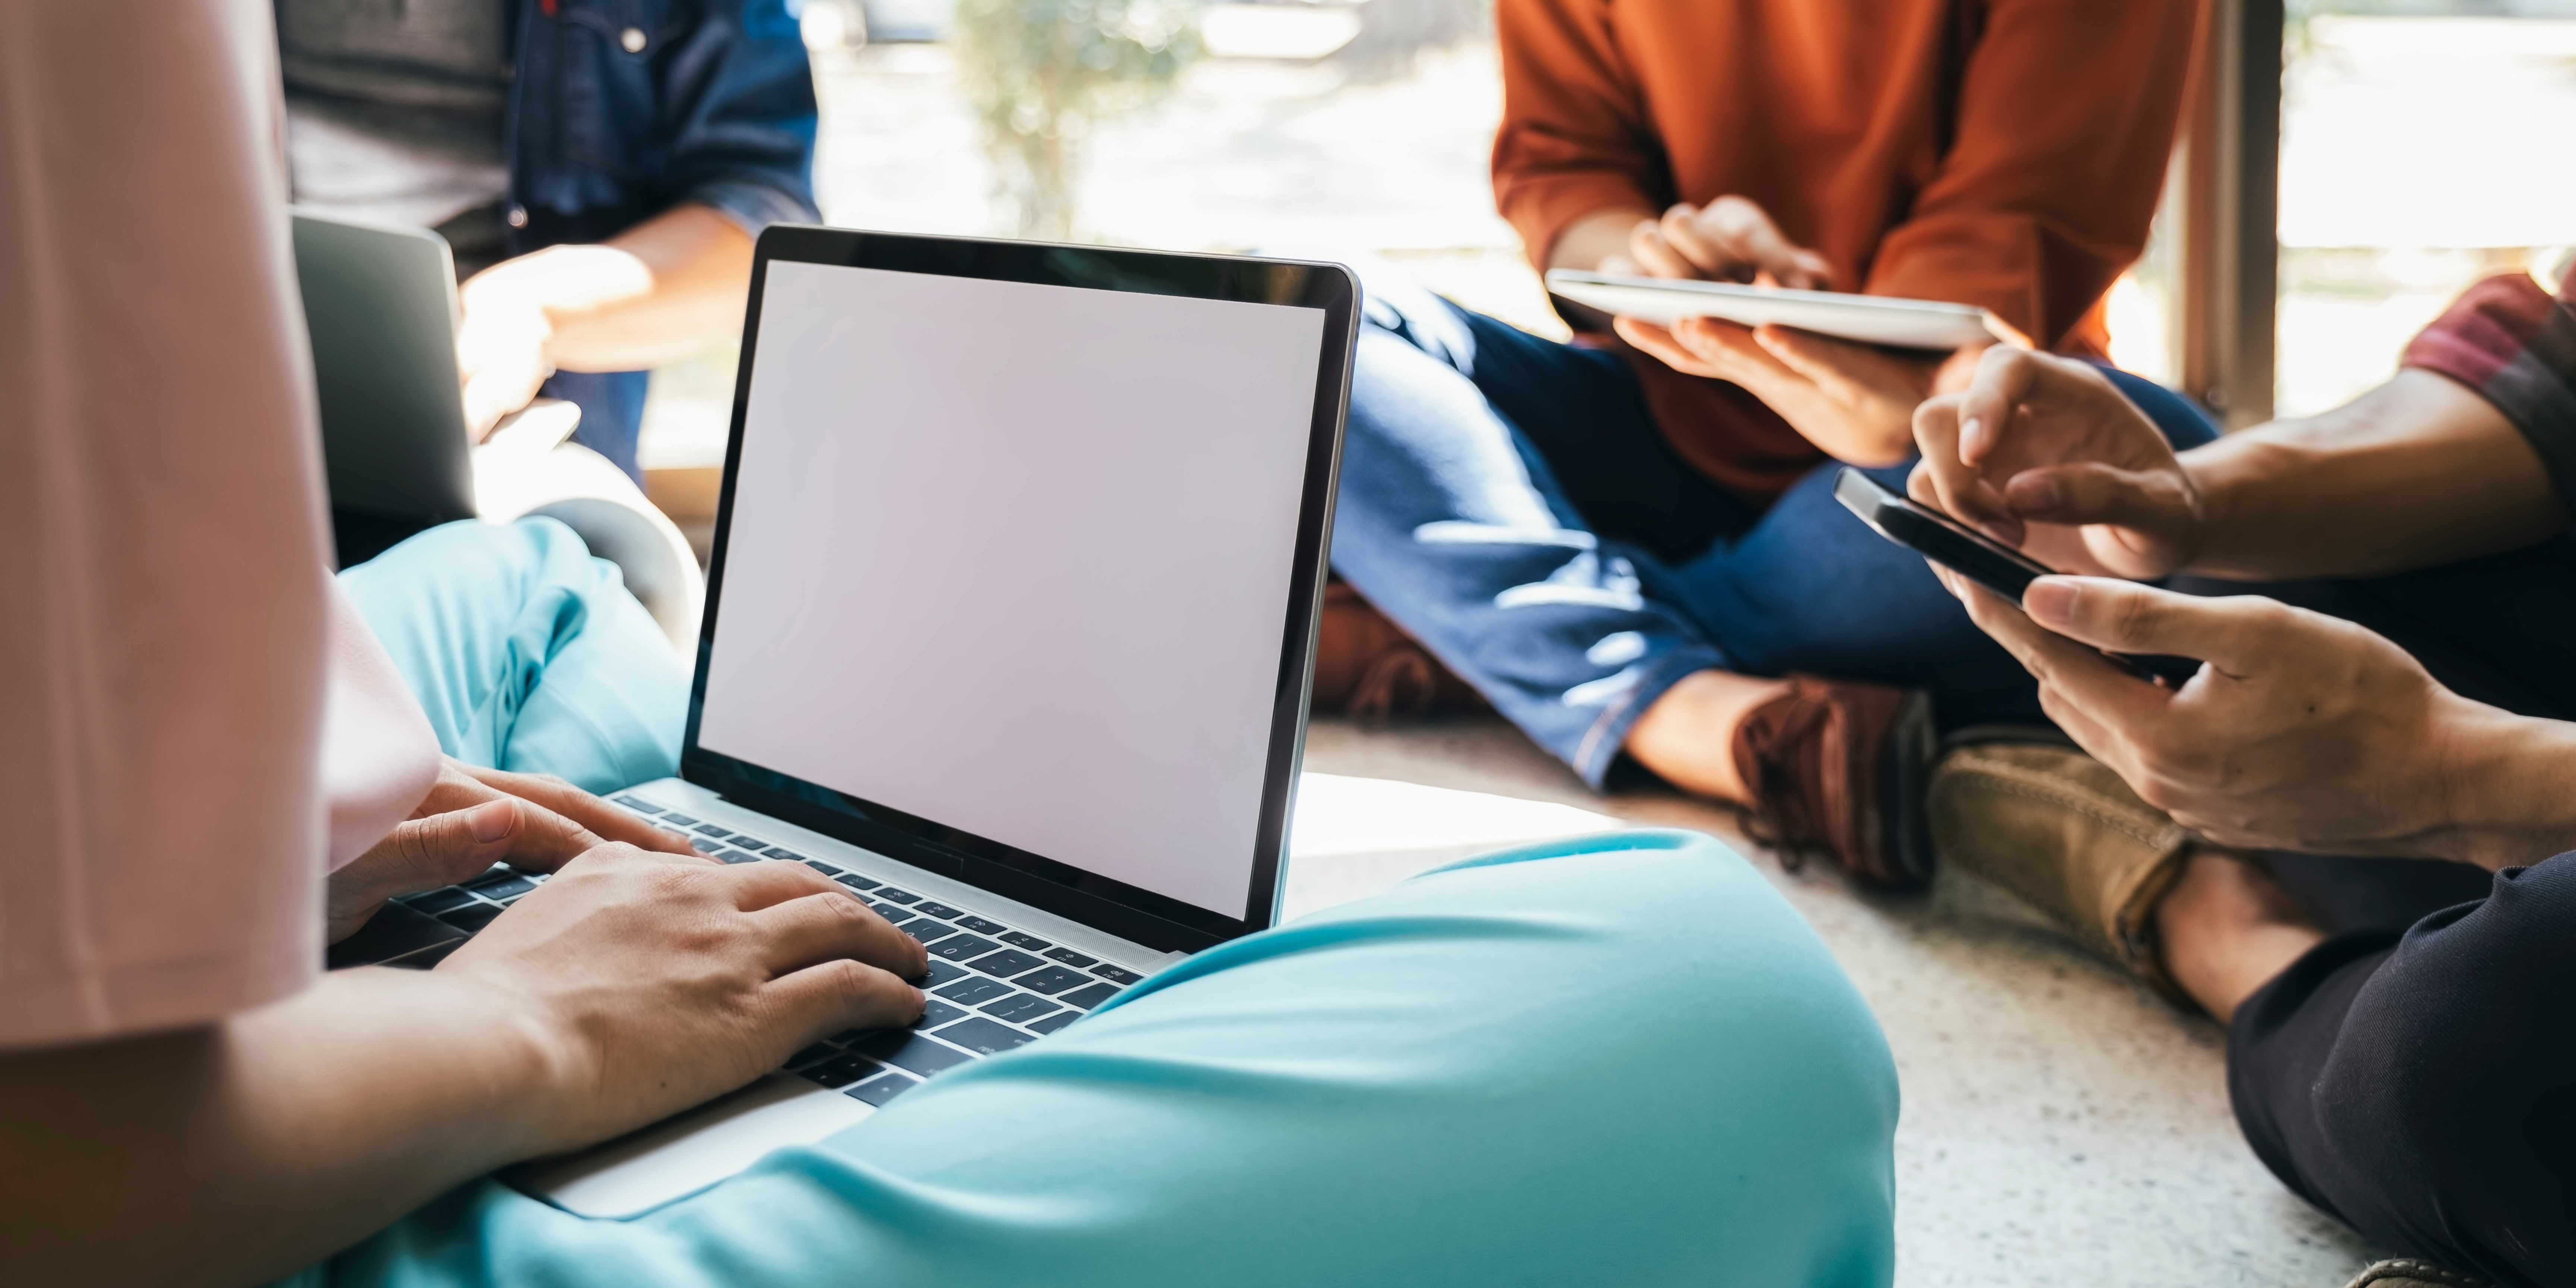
(741, 98)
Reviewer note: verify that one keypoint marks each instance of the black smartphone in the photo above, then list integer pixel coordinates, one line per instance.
(1975, 556)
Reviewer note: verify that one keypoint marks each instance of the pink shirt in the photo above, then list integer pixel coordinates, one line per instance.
(172, 659)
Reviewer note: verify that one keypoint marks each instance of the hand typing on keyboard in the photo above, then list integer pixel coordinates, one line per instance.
(649, 982)
(474, 818)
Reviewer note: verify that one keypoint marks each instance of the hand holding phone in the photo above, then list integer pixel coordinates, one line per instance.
(1989, 563)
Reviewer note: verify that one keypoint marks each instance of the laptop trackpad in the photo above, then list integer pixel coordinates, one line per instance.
(690, 1151)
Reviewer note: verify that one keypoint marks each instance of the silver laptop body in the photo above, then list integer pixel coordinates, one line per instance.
(808, 742)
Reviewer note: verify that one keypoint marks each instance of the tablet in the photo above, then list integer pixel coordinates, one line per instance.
(1871, 319)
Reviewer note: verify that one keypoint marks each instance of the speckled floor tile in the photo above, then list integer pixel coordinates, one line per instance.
(2061, 1124)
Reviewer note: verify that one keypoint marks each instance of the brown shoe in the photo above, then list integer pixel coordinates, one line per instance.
(2061, 831)
(1367, 667)
(2412, 1274)
(1841, 767)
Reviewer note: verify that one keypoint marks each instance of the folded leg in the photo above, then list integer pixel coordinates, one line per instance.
(1620, 1060)
(527, 652)
(2423, 1087)
(1453, 523)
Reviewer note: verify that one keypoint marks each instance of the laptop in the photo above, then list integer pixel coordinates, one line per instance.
(1008, 630)
(380, 303)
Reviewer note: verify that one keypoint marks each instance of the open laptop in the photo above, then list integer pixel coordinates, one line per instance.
(380, 303)
(1008, 629)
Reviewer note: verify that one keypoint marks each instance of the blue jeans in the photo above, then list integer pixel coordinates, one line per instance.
(1509, 501)
(1616, 1060)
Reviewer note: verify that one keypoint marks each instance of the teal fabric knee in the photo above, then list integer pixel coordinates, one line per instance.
(527, 653)
(1620, 1060)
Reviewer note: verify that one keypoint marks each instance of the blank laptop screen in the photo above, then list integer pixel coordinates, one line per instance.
(1016, 559)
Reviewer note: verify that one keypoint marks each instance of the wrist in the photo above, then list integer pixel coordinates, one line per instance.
(2506, 787)
(548, 1063)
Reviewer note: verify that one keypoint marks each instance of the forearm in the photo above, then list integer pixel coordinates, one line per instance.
(655, 293)
(2417, 472)
(259, 1145)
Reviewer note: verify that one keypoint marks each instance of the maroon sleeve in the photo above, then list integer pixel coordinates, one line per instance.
(2515, 345)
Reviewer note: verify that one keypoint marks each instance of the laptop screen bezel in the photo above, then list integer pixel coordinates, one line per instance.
(1115, 907)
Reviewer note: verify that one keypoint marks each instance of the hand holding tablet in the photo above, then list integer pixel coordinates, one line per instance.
(1869, 319)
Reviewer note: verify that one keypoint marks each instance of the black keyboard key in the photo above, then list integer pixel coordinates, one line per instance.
(969, 991)
(926, 930)
(678, 820)
(959, 948)
(935, 1013)
(1006, 963)
(737, 856)
(712, 831)
(1088, 997)
(1031, 942)
(892, 895)
(855, 882)
(501, 885)
(1019, 1008)
(984, 1037)
(782, 852)
(880, 1089)
(1054, 979)
(982, 927)
(471, 918)
(817, 864)
(394, 931)
(1115, 974)
(940, 910)
(1053, 1022)
(941, 972)
(638, 803)
(435, 902)
(839, 1071)
(1070, 957)
(915, 1052)
(815, 1054)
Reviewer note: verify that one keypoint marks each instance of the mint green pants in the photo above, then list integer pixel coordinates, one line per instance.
(1615, 1060)
(528, 653)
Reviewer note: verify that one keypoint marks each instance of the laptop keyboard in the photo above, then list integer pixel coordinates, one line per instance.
(991, 988)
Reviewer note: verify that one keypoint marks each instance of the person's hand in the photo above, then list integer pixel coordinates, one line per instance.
(1728, 240)
(473, 818)
(651, 982)
(2045, 453)
(1856, 402)
(2300, 731)
(501, 346)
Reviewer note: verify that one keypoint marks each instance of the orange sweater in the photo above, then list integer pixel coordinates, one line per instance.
(2003, 153)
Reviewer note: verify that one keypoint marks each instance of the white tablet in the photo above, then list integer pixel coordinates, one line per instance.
(1871, 319)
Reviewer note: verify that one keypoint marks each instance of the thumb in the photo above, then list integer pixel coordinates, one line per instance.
(2125, 617)
(443, 849)
(2092, 492)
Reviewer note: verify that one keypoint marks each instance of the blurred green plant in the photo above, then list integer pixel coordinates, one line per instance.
(1043, 73)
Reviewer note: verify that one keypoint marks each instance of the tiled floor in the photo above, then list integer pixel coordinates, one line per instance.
(2061, 1125)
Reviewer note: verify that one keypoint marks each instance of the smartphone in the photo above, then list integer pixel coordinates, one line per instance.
(1975, 556)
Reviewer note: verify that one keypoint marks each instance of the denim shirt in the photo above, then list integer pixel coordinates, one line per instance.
(623, 109)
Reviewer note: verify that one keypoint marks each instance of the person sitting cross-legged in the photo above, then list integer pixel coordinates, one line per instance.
(1614, 1059)
(1629, 544)
(2417, 1080)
